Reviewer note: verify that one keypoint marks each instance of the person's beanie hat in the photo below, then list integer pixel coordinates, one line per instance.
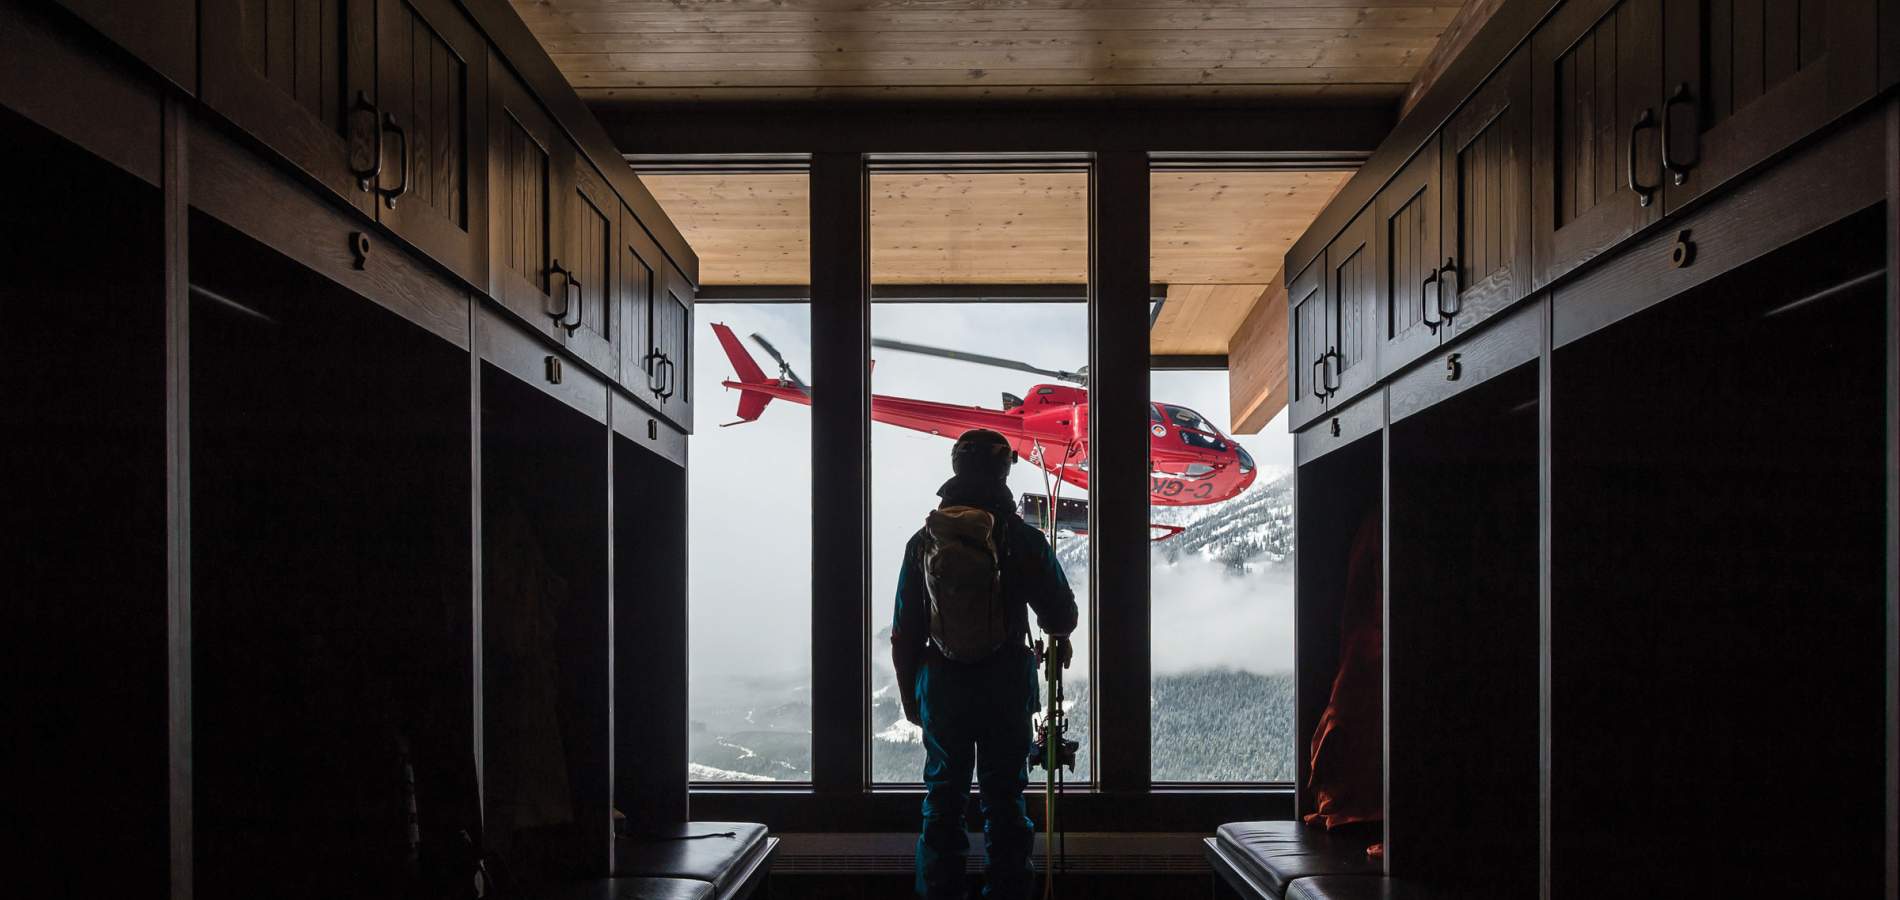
(981, 452)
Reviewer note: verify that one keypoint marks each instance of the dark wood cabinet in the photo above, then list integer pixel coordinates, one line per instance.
(588, 253)
(300, 76)
(1597, 99)
(527, 159)
(163, 34)
(1747, 78)
(642, 274)
(1352, 304)
(1310, 352)
(1334, 308)
(1410, 268)
(654, 318)
(1485, 160)
(432, 80)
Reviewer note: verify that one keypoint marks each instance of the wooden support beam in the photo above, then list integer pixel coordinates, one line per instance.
(840, 465)
(1316, 135)
(1256, 362)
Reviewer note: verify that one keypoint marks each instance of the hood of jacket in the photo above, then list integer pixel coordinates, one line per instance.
(991, 494)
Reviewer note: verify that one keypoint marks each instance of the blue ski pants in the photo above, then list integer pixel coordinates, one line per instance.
(976, 718)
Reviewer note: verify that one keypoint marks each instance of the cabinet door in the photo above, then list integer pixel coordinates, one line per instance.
(1408, 262)
(161, 33)
(432, 78)
(673, 345)
(1309, 343)
(640, 268)
(1352, 304)
(1747, 78)
(526, 159)
(300, 76)
(1486, 163)
(1596, 88)
(589, 248)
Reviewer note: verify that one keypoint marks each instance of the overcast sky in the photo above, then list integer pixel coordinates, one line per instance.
(750, 510)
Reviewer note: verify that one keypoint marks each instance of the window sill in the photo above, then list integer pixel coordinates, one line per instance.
(1174, 808)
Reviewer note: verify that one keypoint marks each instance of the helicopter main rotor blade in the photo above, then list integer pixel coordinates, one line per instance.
(784, 367)
(978, 358)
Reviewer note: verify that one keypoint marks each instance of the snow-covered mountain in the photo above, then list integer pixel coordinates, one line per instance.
(1220, 722)
(1255, 528)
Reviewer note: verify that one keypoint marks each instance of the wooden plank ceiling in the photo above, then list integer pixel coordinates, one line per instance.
(1217, 238)
(712, 50)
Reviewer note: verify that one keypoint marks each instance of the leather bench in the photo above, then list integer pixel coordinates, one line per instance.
(732, 857)
(629, 889)
(1353, 887)
(1261, 859)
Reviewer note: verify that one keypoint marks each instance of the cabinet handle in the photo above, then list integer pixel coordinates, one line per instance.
(1429, 303)
(1319, 377)
(371, 177)
(651, 362)
(1448, 273)
(1334, 372)
(402, 184)
(578, 309)
(1644, 193)
(1679, 172)
(567, 294)
(670, 383)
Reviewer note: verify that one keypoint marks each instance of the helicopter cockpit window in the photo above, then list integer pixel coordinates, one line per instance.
(1187, 418)
(1154, 415)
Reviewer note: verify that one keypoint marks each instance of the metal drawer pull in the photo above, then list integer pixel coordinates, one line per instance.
(652, 364)
(371, 177)
(1679, 171)
(402, 185)
(1448, 273)
(567, 295)
(1644, 193)
(578, 309)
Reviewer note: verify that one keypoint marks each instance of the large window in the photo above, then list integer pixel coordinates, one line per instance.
(908, 466)
(1221, 582)
(979, 281)
(1221, 588)
(957, 259)
(749, 700)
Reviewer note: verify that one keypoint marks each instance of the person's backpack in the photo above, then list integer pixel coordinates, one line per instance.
(963, 572)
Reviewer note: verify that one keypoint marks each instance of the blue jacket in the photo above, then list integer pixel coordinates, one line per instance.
(1032, 577)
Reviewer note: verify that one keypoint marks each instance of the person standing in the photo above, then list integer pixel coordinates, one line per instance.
(965, 671)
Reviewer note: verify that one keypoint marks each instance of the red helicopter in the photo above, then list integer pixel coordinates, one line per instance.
(1191, 462)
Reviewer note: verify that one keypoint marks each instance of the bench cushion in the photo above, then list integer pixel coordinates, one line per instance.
(628, 889)
(1353, 887)
(713, 852)
(1276, 853)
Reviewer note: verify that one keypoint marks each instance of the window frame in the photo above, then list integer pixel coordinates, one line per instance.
(1120, 301)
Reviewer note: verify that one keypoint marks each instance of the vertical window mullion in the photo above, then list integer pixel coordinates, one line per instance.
(1118, 466)
(840, 461)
